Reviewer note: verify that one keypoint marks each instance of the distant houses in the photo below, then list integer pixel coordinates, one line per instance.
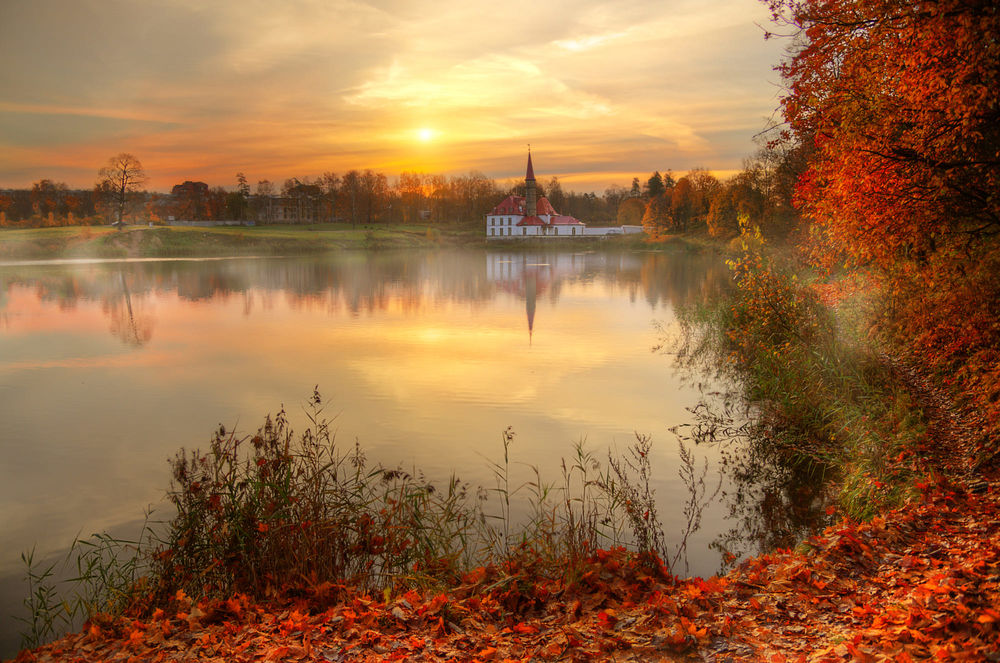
(195, 203)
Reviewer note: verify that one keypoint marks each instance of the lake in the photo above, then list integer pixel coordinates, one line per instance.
(108, 368)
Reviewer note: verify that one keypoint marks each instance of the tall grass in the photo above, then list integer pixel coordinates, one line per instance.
(815, 391)
(274, 512)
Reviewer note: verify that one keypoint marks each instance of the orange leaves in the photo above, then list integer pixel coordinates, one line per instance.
(924, 586)
(525, 629)
(608, 618)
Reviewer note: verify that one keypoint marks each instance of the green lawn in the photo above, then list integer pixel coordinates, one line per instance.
(179, 241)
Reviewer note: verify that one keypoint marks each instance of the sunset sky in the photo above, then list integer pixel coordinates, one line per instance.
(603, 90)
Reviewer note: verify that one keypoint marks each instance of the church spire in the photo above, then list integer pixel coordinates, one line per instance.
(530, 196)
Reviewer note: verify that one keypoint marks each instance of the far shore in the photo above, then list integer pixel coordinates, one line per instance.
(141, 241)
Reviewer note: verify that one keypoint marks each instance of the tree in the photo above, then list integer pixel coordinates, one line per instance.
(47, 197)
(635, 191)
(119, 181)
(239, 202)
(410, 191)
(614, 195)
(682, 200)
(899, 103)
(657, 219)
(263, 201)
(556, 195)
(654, 185)
(722, 218)
(350, 191)
(374, 195)
(902, 102)
(630, 212)
(329, 182)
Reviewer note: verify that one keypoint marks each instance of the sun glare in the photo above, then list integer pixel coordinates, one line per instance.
(426, 134)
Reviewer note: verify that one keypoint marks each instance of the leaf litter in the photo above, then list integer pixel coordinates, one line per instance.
(920, 583)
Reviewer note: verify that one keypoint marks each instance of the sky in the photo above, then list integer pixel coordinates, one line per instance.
(602, 90)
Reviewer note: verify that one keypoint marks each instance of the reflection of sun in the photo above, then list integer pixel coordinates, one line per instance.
(425, 134)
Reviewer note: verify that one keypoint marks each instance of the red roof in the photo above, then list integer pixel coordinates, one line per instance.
(531, 171)
(543, 206)
(515, 205)
(531, 221)
(510, 205)
(560, 220)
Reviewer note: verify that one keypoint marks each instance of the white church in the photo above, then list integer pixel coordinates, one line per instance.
(530, 216)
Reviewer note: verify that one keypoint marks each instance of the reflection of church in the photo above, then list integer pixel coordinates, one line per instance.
(530, 216)
(529, 276)
(522, 276)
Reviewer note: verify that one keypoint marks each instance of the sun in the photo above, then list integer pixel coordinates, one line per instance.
(426, 134)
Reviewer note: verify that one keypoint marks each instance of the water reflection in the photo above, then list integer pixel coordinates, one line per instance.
(358, 284)
(107, 369)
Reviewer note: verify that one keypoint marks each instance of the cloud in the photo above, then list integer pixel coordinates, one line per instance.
(276, 90)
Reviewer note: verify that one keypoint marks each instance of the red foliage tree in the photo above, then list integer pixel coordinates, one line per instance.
(902, 100)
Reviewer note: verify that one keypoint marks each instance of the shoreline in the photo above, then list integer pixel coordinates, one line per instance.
(72, 243)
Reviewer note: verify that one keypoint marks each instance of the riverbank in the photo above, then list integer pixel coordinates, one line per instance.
(81, 242)
(223, 241)
(914, 584)
(858, 590)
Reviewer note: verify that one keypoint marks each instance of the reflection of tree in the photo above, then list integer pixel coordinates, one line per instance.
(363, 283)
(132, 327)
(776, 495)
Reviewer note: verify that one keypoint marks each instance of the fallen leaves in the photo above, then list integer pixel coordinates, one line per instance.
(921, 583)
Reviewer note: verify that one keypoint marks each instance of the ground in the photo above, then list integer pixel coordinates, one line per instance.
(919, 583)
(76, 242)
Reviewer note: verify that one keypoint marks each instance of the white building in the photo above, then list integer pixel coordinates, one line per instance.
(530, 216)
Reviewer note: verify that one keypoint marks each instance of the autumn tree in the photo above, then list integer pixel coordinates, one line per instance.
(722, 214)
(900, 103)
(630, 212)
(119, 181)
(682, 204)
(47, 197)
(657, 218)
(411, 195)
(6, 201)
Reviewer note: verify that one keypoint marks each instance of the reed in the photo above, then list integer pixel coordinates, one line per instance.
(813, 389)
(274, 513)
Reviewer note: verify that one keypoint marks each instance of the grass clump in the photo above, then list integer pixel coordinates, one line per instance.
(815, 392)
(278, 514)
(273, 511)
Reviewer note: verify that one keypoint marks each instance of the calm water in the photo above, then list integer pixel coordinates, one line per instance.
(107, 369)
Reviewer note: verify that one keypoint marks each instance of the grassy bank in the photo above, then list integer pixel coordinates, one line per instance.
(819, 395)
(182, 241)
(277, 513)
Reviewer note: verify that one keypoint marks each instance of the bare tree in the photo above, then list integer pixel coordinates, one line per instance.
(122, 177)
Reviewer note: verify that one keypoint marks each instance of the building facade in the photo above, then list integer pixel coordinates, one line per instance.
(530, 216)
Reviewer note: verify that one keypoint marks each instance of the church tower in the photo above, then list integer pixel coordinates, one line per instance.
(530, 203)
